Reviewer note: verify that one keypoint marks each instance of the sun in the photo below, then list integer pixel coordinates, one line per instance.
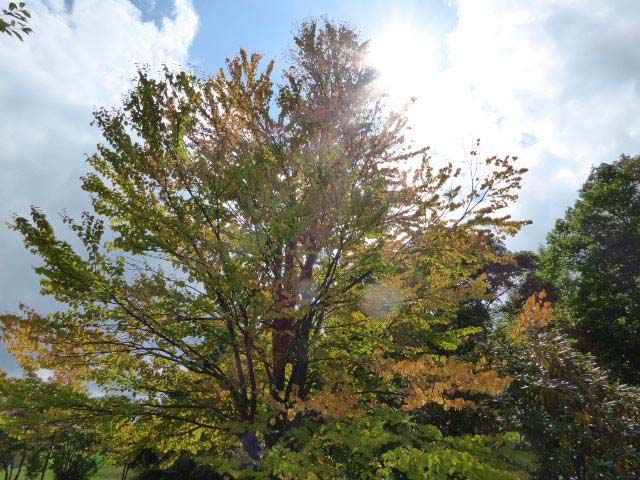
(406, 58)
(412, 71)
(415, 68)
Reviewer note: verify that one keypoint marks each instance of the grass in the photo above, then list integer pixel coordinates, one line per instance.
(106, 472)
(109, 472)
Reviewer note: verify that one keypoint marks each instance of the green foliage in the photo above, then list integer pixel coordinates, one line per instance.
(13, 454)
(37, 461)
(517, 280)
(593, 260)
(15, 20)
(73, 458)
(581, 424)
(393, 445)
(151, 466)
(274, 276)
(51, 436)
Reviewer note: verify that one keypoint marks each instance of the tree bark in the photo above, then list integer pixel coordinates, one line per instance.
(46, 460)
(24, 454)
(281, 330)
(251, 445)
(281, 340)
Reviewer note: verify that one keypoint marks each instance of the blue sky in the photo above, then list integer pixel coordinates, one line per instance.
(266, 26)
(554, 82)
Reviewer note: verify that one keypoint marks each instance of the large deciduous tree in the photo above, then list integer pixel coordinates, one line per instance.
(282, 266)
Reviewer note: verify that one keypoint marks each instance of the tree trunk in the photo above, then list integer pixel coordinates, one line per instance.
(281, 334)
(24, 455)
(251, 445)
(10, 467)
(302, 341)
(281, 340)
(283, 327)
(46, 460)
(302, 361)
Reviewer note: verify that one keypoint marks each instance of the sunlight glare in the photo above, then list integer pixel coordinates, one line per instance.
(406, 60)
(413, 63)
(410, 61)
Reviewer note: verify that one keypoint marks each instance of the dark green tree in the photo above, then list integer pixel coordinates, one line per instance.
(517, 280)
(74, 456)
(593, 260)
(40, 435)
(13, 454)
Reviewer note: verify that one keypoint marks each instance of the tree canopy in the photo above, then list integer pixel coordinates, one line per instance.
(275, 278)
(593, 261)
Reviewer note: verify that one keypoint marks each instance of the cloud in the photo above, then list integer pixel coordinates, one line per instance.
(81, 55)
(555, 83)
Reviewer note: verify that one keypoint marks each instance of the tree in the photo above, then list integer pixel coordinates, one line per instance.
(282, 264)
(13, 454)
(564, 404)
(517, 280)
(44, 434)
(15, 20)
(593, 260)
(74, 457)
(151, 466)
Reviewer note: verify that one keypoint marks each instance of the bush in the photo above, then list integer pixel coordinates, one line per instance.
(580, 423)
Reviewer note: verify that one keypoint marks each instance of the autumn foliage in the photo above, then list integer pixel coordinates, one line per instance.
(272, 280)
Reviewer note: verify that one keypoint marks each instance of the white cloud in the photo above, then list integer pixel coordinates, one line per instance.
(555, 83)
(75, 60)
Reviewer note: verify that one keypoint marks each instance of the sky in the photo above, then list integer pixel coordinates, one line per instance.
(555, 83)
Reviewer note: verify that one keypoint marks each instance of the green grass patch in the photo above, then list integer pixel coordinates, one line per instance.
(106, 472)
